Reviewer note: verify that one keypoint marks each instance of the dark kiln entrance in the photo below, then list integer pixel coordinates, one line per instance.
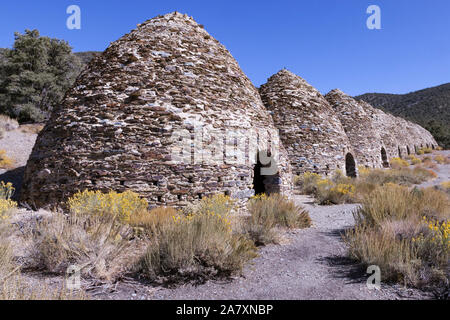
(350, 165)
(384, 158)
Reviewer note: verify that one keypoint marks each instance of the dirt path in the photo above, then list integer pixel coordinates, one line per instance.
(442, 170)
(312, 265)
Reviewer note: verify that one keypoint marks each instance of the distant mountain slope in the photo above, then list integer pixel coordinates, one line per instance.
(429, 107)
(87, 56)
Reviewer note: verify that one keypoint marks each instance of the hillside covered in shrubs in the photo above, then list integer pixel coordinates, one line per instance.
(429, 107)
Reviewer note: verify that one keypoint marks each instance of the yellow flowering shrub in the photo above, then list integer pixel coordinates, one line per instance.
(441, 159)
(121, 205)
(446, 185)
(219, 204)
(6, 190)
(414, 160)
(420, 152)
(397, 163)
(434, 245)
(5, 207)
(363, 171)
(5, 161)
(6, 204)
(308, 182)
(344, 189)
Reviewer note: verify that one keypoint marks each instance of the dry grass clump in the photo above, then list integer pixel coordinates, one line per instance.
(269, 212)
(13, 285)
(100, 246)
(404, 232)
(5, 161)
(94, 235)
(151, 223)
(198, 246)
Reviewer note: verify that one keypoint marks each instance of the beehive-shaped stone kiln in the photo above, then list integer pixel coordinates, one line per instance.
(309, 128)
(165, 111)
(359, 127)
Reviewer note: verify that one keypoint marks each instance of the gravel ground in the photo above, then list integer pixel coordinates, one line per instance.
(443, 172)
(18, 146)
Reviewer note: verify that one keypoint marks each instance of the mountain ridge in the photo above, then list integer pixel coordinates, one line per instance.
(428, 107)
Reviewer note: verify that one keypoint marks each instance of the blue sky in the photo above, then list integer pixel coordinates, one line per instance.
(324, 41)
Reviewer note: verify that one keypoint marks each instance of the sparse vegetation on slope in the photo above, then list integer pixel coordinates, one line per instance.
(429, 107)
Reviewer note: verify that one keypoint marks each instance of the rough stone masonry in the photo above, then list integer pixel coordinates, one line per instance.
(167, 112)
(166, 85)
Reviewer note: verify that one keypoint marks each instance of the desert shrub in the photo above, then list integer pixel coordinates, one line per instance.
(420, 151)
(441, 159)
(308, 182)
(434, 244)
(6, 190)
(395, 257)
(446, 185)
(403, 176)
(338, 189)
(269, 212)
(396, 202)
(198, 246)
(13, 286)
(6, 204)
(331, 193)
(100, 245)
(219, 204)
(397, 163)
(414, 160)
(427, 150)
(363, 171)
(151, 223)
(8, 124)
(6, 207)
(405, 233)
(5, 161)
(96, 203)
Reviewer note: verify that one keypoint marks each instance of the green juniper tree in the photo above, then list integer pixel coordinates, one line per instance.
(35, 75)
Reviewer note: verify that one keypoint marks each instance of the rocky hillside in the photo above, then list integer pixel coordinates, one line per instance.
(429, 107)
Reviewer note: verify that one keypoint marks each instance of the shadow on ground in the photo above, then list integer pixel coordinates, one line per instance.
(15, 176)
(343, 267)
